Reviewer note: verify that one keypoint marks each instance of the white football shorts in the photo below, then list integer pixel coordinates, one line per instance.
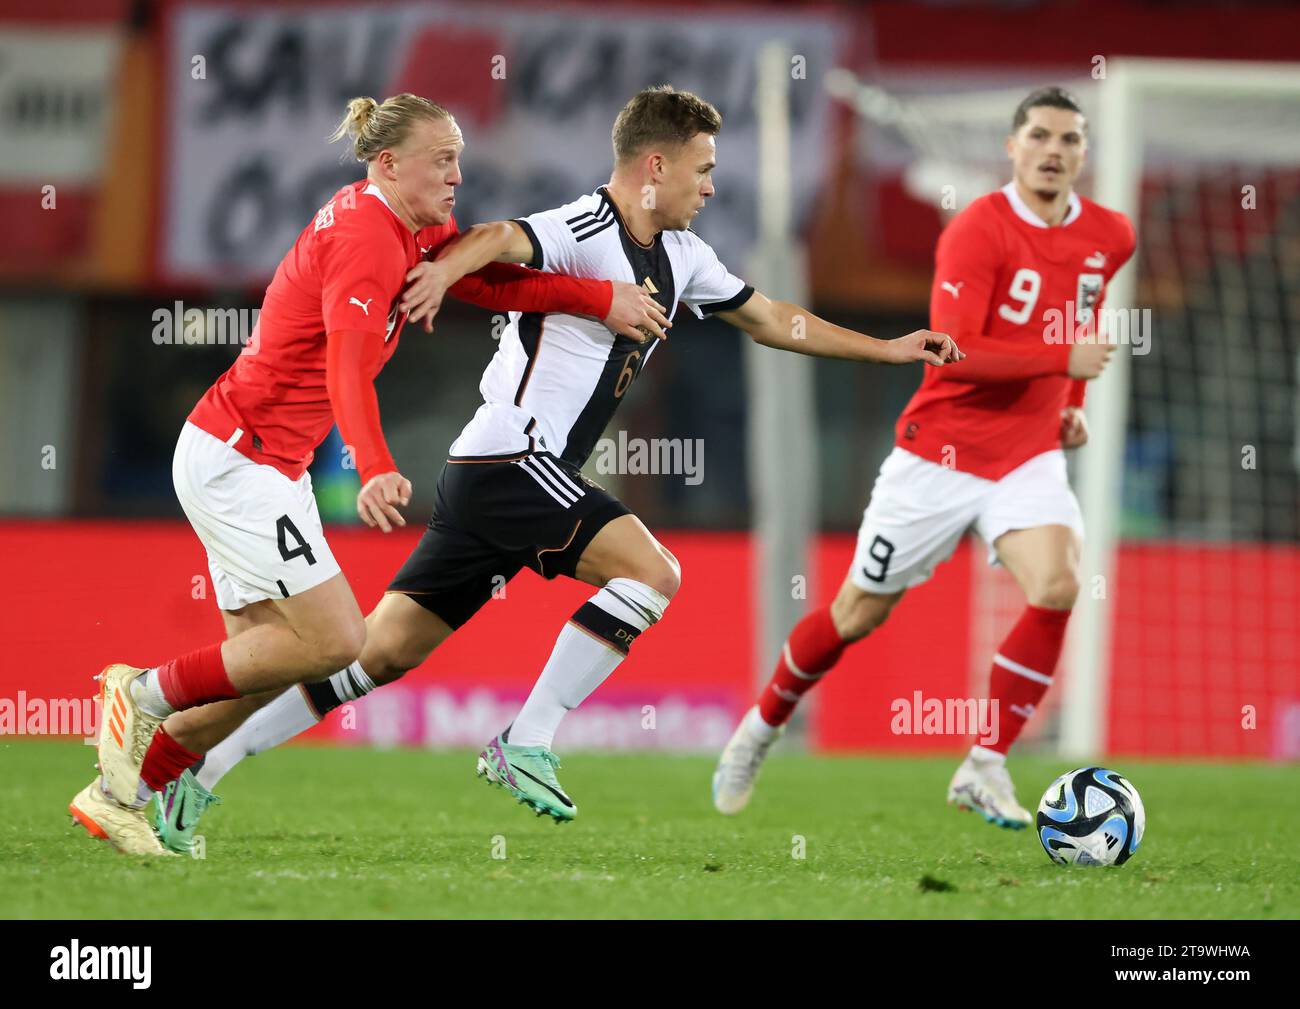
(261, 530)
(920, 510)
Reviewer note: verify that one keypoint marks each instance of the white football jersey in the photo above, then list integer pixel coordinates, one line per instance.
(556, 380)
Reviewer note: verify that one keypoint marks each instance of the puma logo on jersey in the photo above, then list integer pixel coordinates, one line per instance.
(363, 305)
(1097, 260)
(953, 289)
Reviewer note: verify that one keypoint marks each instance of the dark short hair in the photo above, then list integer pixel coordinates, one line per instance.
(1053, 97)
(661, 116)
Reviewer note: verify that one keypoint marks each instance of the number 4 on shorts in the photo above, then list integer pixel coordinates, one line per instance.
(284, 526)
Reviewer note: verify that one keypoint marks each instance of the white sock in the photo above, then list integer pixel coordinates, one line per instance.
(147, 692)
(281, 720)
(288, 715)
(983, 755)
(758, 728)
(351, 684)
(588, 650)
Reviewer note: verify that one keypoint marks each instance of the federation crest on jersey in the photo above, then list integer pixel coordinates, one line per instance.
(1087, 296)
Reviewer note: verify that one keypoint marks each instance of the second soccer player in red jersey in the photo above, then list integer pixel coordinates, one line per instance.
(980, 446)
(329, 322)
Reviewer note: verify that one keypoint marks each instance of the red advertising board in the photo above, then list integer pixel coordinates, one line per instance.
(1205, 650)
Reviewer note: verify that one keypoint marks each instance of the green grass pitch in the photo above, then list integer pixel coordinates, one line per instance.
(316, 832)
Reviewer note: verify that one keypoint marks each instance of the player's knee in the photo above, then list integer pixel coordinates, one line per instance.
(394, 664)
(389, 672)
(341, 645)
(389, 656)
(676, 567)
(1057, 592)
(663, 574)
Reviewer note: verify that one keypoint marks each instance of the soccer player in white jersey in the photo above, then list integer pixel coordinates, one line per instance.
(980, 445)
(512, 495)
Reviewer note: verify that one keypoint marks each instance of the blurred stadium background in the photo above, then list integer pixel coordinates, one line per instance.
(158, 159)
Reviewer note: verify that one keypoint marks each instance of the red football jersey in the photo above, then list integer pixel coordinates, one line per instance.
(345, 272)
(1009, 289)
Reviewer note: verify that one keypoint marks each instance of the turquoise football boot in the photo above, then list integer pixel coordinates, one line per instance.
(527, 773)
(177, 809)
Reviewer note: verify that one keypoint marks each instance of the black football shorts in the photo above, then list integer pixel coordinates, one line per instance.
(492, 517)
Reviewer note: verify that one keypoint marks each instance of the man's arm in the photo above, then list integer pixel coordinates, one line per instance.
(962, 296)
(499, 283)
(509, 287)
(352, 360)
(497, 242)
(784, 326)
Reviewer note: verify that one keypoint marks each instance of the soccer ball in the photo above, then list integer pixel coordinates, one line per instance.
(1091, 816)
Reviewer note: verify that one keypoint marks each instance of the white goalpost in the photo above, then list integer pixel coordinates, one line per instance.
(781, 439)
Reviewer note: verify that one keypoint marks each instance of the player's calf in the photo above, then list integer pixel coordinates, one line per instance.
(816, 644)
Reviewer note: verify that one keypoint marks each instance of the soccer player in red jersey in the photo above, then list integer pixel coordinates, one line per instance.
(980, 445)
(329, 322)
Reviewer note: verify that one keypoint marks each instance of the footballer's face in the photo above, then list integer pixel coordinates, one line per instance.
(683, 180)
(425, 169)
(1048, 150)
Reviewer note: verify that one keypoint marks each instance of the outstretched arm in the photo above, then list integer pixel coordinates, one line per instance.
(784, 326)
(498, 242)
(507, 287)
(492, 280)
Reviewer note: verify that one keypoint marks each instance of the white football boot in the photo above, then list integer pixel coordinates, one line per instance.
(982, 784)
(126, 828)
(733, 781)
(126, 732)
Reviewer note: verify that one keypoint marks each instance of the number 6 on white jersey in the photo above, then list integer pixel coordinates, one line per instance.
(1025, 286)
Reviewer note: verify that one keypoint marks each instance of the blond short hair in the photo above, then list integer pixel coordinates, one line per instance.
(375, 126)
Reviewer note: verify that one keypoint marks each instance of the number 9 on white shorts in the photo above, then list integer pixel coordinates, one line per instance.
(920, 510)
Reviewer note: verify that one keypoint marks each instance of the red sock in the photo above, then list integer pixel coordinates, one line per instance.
(164, 761)
(812, 648)
(1023, 668)
(197, 678)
